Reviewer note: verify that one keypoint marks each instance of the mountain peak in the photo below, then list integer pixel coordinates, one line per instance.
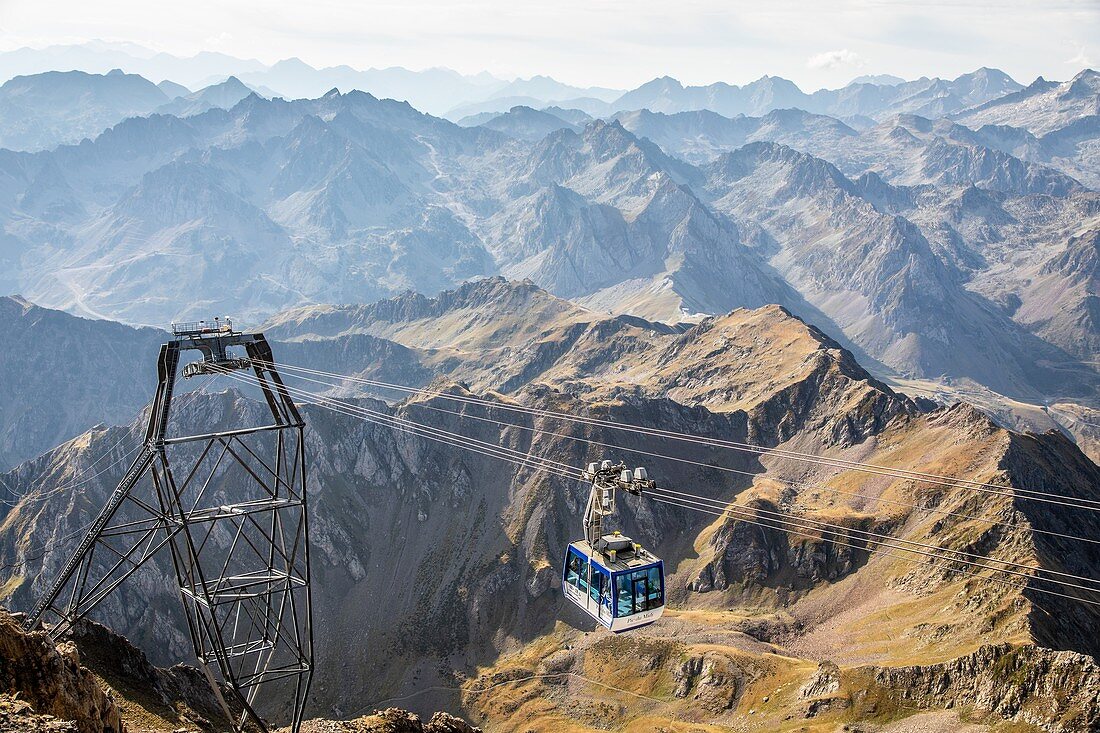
(1041, 84)
(21, 304)
(805, 172)
(231, 86)
(770, 81)
(291, 64)
(1086, 82)
(608, 134)
(991, 82)
(310, 129)
(881, 80)
(663, 83)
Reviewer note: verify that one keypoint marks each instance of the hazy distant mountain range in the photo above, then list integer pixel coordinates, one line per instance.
(902, 219)
(433, 90)
(49, 109)
(456, 96)
(55, 107)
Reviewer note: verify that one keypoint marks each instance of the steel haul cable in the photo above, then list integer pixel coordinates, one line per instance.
(29, 496)
(47, 546)
(23, 499)
(909, 544)
(877, 549)
(492, 404)
(876, 469)
(563, 470)
(567, 468)
(359, 411)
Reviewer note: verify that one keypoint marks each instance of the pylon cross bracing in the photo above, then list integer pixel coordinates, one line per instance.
(229, 507)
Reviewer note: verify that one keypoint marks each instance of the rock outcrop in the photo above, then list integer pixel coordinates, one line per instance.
(46, 688)
(825, 681)
(51, 681)
(18, 716)
(1054, 691)
(180, 694)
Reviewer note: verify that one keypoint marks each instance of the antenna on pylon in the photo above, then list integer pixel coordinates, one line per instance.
(230, 505)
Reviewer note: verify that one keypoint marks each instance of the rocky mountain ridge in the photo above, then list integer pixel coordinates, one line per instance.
(1041, 107)
(923, 96)
(435, 523)
(441, 90)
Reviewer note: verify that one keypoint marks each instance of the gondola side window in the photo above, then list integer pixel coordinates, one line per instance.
(655, 588)
(576, 570)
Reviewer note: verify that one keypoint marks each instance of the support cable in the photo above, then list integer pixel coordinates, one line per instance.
(877, 469)
(563, 470)
(727, 469)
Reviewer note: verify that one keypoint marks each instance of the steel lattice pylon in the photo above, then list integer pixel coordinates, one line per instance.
(230, 506)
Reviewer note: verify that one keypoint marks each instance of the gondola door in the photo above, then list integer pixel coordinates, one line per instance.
(641, 594)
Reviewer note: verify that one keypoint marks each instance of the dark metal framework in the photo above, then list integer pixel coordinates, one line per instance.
(230, 506)
(606, 477)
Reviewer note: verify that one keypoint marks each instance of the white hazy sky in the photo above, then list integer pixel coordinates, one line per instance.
(619, 43)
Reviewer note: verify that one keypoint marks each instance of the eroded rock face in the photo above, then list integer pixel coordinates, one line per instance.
(742, 553)
(713, 681)
(825, 681)
(181, 695)
(1055, 691)
(46, 689)
(52, 682)
(747, 553)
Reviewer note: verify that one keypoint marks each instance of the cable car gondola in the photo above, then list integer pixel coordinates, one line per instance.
(609, 576)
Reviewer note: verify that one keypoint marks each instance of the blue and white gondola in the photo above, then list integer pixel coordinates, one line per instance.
(622, 587)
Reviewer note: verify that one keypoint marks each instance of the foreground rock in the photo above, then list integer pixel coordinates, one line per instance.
(38, 679)
(48, 689)
(17, 716)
